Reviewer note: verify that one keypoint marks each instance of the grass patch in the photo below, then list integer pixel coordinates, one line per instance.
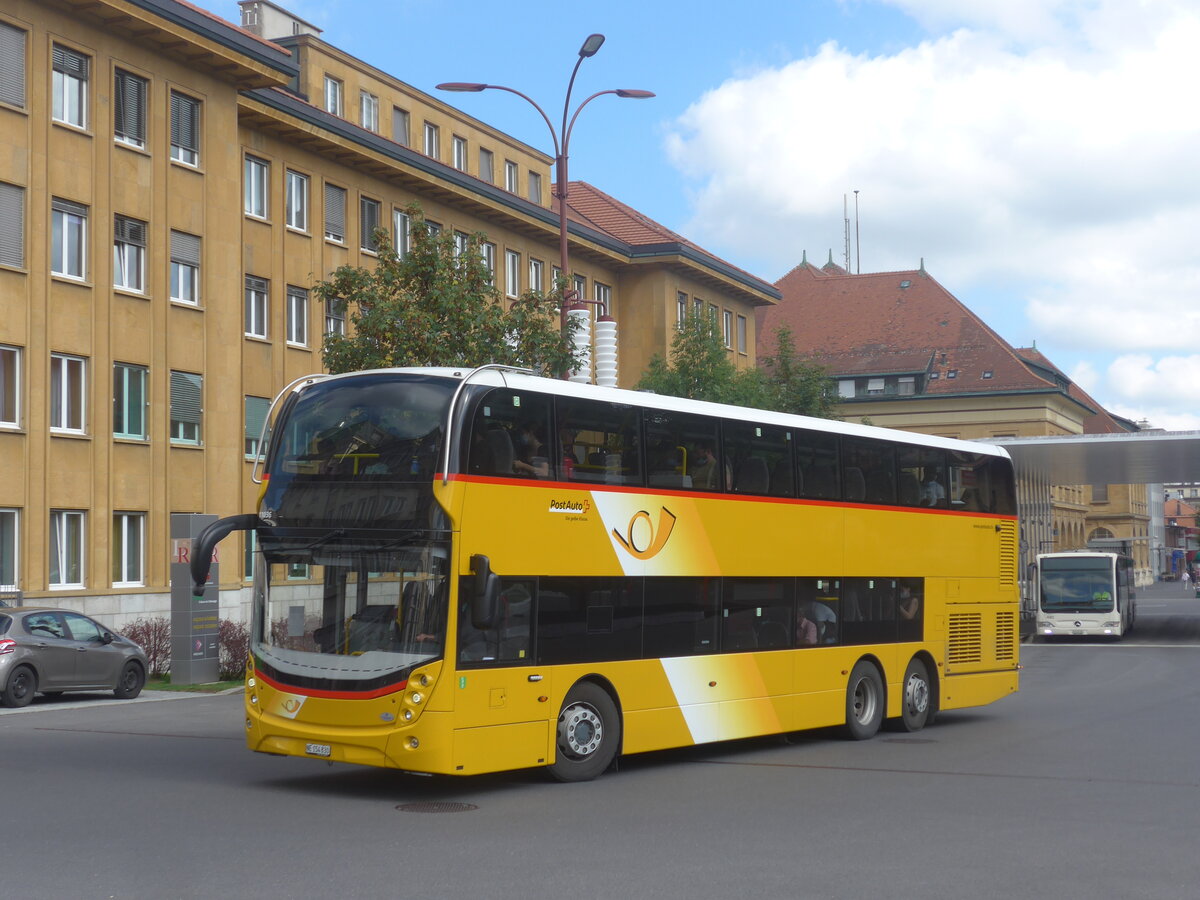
(163, 683)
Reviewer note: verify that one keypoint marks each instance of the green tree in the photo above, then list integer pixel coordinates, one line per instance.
(700, 368)
(438, 306)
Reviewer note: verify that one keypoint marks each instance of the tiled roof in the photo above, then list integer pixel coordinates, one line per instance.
(892, 322)
(1100, 420)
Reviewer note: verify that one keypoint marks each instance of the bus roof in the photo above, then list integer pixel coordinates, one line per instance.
(507, 378)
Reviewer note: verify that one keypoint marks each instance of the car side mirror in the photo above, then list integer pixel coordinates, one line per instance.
(106, 637)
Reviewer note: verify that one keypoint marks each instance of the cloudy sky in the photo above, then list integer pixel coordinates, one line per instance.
(1042, 156)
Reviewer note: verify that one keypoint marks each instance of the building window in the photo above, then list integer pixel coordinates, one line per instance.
(603, 298)
(10, 387)
(69, 87)
(255, 188)
(335, 213)
(488, 252)
(297, 316)
(186, 410)
(12, 65)
(697, 307)
(460, 153)
(129, 254)
(846, 387)
(68, 238)
(432, 141)
(296, 200)
(580, 287)
(461, 241)
(185, 267)
(66, 548)
(333, 95)
(368, 110)
(185, 129)
(129, 401)
(906, 385)
(537, 270)
(249, 555)
(257, 409)
(9, 531)
(433, 228)
(512, 273)
(510, 176)
(727, 329)
(400, 120)
(68, 383)
(368, 222)
(401, 232)
(535, 187)
(875, 385)
(714, 313)
(741, 334)
(256, 306)
(487, 165)
(128, 549)
(12, 225)
(335, 317)
(129, 109)
(681, 308)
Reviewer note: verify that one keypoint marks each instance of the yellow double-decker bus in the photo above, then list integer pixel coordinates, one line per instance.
(474, 571)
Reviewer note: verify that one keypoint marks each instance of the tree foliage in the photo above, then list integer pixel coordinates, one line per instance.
(699, 367)
(438, 306)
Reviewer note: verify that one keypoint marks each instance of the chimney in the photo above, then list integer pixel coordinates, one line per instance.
(268, 21)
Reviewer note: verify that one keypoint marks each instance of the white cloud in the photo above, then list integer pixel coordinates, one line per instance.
(1044, 148)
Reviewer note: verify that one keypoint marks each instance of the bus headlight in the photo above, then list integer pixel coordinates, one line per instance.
(416, 697)
(408, 715)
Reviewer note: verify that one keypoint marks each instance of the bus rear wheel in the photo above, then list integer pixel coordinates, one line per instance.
(864, 702)
(916, 700)
(589, 731)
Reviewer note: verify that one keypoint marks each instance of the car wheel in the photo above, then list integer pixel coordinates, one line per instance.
(21, 686)
(589, 731)
(864, 702)
(130, 683)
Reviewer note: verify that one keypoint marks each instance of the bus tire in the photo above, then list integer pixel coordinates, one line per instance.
(864, 702)
(916, 697)
(589, 732)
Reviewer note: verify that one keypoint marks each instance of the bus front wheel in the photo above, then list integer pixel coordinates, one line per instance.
(589, 731)
(864, 702)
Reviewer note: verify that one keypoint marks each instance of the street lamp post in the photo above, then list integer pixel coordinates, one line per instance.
(561, 147)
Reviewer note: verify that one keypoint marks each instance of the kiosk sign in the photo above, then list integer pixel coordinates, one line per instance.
(195, 621)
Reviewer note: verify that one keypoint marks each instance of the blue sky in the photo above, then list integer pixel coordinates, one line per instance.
(1040, 155)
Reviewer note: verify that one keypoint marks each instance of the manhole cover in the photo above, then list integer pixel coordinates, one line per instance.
(436, 806)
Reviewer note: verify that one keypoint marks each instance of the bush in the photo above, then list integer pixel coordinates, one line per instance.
(154, 636)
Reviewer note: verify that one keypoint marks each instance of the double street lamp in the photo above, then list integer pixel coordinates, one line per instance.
(570, 297)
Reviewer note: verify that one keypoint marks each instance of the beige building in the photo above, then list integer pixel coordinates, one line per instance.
(171, 186)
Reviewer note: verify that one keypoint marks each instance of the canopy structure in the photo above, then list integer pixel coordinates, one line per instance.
(1142, 457)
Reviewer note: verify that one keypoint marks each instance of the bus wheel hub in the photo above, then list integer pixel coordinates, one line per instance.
(916, 694)
(580, 730)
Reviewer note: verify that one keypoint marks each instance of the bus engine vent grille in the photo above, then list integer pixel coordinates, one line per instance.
(966, 639)
(1008, 554)
(1006, 636)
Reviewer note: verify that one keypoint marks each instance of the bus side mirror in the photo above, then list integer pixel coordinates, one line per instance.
(485, 602)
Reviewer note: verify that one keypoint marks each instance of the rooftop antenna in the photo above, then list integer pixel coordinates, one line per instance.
(857, 246)
(846, 229)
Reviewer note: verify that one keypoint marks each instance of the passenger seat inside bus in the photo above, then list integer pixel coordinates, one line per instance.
(752, 476)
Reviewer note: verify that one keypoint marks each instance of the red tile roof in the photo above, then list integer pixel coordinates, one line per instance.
(895, 322)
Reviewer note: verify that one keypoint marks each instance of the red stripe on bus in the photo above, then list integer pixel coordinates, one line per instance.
(333, 695)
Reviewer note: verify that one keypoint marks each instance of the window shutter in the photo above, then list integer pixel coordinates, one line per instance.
(70, 62)
(12, 225)
(66, 206)
(129, 231)
(185, 398)
(184, 121)
(12, 65)
(130, 101)
(256, 284)
(185, 248)
(369, 221)
(335, 211)
(256, 416)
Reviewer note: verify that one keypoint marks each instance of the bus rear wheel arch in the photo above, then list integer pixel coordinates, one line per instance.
(588, 733)
(865, 701)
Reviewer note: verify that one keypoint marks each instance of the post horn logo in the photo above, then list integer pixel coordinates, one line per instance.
(633, 544)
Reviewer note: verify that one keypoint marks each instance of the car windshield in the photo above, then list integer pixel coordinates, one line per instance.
(341, 614)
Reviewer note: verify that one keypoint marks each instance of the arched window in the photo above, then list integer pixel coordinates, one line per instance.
(1099, 534)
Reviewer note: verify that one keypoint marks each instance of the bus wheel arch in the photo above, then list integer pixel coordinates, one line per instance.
(866, 700)
(918, 695)
(587, 732)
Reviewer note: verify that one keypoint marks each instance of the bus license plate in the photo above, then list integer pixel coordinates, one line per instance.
(318, 749)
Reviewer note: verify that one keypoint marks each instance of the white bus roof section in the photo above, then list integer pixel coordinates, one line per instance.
(1142, 457)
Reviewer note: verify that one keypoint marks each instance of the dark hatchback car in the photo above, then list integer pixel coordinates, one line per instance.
(49, 651)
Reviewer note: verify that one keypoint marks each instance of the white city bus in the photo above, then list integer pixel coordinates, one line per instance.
(1085, 592)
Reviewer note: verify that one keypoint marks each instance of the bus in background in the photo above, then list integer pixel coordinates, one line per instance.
(462, 572)
(1085, 592)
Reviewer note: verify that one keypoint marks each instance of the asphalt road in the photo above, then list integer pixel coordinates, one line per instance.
(1084, 785)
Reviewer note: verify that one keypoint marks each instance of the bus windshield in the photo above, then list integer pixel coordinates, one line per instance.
(1077, 585)
(348, 615)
